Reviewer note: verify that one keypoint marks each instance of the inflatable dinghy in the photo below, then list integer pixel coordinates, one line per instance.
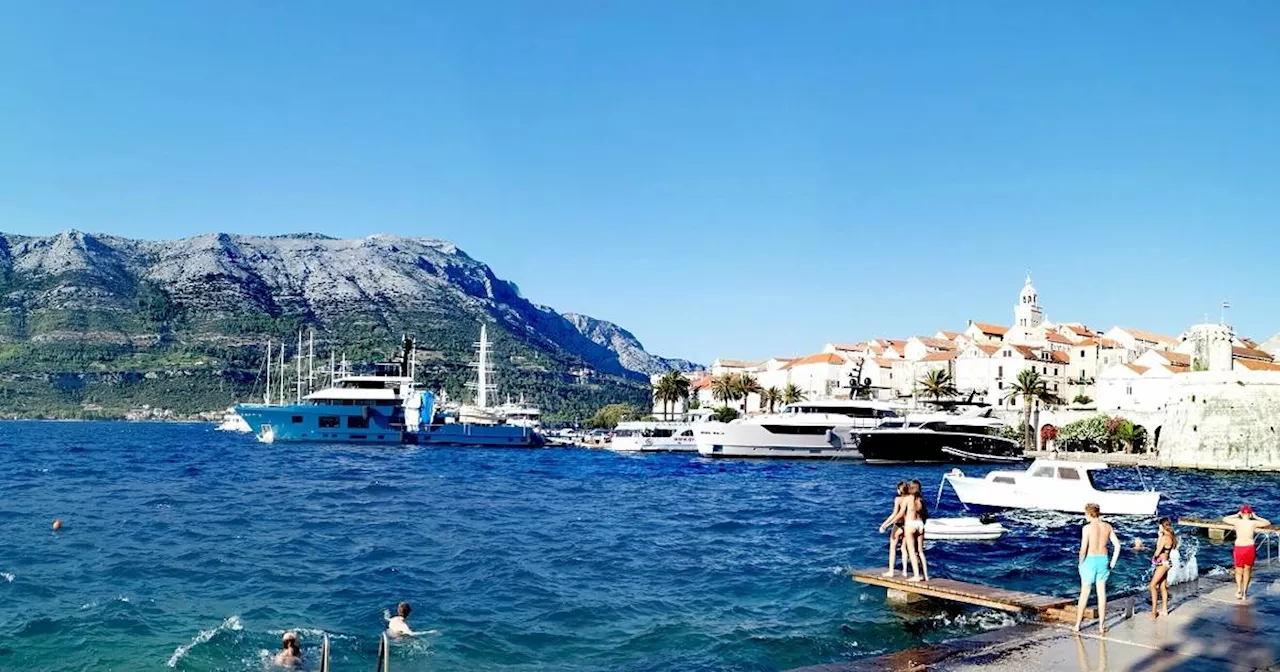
(963, 529)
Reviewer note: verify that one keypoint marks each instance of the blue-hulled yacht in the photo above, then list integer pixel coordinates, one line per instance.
(387, 408)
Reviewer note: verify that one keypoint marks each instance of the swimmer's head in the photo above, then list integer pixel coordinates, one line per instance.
(402, 610)
(290, 641)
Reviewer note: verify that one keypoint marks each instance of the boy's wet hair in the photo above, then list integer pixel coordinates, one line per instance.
(1093, 509)
(402, 610)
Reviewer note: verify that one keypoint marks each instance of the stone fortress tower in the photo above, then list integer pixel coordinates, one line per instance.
(1211, 347)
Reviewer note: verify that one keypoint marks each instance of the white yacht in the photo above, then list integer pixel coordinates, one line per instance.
(232, 422)
(1050, 485)
(809, 429)
(659, 436)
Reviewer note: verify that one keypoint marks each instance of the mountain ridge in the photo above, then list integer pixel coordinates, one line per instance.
(120, 299)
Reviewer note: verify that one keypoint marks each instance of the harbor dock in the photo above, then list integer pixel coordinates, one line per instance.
(1044, 606)
(1217, 529)
(1206, 629)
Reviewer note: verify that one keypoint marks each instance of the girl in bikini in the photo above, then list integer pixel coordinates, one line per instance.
(916, 515)
(1165, 543)
(895, 520)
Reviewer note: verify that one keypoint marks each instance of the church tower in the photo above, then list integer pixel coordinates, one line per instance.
(1027, 313)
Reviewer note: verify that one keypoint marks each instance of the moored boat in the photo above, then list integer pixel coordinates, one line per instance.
(805, 430)
(1049, 485)
(940, 439)
(962, 529)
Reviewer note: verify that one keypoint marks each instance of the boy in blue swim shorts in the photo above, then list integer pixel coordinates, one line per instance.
(1095, 568)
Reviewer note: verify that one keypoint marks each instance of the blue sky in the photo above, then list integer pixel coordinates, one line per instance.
(738, 179)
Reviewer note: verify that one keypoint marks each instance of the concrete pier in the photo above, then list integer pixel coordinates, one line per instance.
(1206, 629)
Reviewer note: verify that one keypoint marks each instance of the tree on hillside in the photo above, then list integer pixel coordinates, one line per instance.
(792, 394)
(744, 385)
(1030, 388)
(770, 397)
(937, 383)
(609, 416)
(671, 389)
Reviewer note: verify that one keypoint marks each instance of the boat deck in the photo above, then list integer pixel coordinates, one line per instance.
(1044, 606)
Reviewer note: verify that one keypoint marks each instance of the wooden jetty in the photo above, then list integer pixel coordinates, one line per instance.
(1044, 606)
(1217, 529)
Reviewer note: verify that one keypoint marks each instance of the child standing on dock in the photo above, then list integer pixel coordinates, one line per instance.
(1244, 553)
(1094, 568)
(895, 520)
(916, 516)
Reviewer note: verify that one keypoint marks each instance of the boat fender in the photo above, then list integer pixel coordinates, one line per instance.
(956, 472)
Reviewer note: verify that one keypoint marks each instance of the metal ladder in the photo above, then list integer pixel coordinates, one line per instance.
(384, 654)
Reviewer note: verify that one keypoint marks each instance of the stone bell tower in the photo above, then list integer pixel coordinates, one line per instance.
(1027, 313)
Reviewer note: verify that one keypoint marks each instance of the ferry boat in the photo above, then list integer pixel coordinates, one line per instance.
(659, 436)
(810, 430)
(1050, 485)
(385, 408)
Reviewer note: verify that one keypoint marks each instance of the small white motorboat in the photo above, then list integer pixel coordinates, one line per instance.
(962, 529)
(1049, 485)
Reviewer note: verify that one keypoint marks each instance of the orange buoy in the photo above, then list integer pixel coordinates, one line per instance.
(57, 523)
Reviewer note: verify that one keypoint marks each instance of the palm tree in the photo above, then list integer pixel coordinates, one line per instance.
(792, 394)
(671, 389)
(724, 389)
(744, 384)
(937, 383)
(1029, 387)
(771, 397)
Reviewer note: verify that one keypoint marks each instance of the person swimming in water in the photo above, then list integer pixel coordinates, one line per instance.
(398, 625)
(290, 654)
(1162, 563)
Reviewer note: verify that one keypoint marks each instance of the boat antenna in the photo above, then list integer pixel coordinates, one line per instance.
(280, 365)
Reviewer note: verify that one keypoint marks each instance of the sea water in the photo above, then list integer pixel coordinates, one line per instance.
(189, 549)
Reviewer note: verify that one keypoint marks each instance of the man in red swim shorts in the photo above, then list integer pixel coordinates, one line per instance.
(1244, 553)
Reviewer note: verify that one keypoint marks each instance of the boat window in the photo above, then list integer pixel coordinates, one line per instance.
(624, 433)
(796, 429)
(1005, 479)
(1042, 472)
(297, 419)
(328, 421)
(357, 422)
(1068, 474)
(687, 432)
(661, 433)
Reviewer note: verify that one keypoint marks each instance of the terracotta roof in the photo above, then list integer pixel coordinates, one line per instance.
(1055, 337)
(735, 363)
(1027, 351)
(940, 356)
(949, 334)
(1175, 358)
(1250, 353)
(817, 358)
(1149, 336)
(898, 346)
(989, 349)
(700, 383)
(937, 342)
(1249, 343)
(1099, 341)
(1059, 356)
(1255, 365)
(1080, 331)
(991, 329)
(1136, 368)
(876, 349)
(884, 362)
(849, 346)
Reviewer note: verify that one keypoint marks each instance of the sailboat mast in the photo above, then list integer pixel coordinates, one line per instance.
(280, 365)
(482, 371)
(268, 395)
(311, 361)
(297, 362)
(332, 379)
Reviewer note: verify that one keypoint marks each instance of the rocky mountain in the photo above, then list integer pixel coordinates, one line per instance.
(631, 354)
(97, 306)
